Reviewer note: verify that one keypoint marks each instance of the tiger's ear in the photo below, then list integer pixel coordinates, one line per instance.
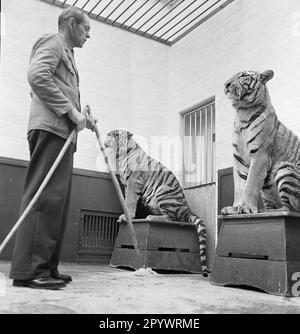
(129, 135)
(266, 76)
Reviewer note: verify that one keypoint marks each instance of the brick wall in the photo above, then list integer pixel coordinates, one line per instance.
(135, 83)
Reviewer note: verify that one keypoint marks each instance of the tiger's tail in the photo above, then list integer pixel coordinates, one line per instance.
(188, 216)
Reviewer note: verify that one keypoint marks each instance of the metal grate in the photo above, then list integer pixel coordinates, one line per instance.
(165, 21)
(98, 232)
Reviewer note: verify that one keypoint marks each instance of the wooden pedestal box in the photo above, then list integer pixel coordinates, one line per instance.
(259, 250)
(170, 246)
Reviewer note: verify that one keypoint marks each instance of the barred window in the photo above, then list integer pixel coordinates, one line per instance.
(199, 146)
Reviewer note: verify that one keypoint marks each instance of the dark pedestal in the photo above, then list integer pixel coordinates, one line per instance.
(259, 250)
(163, 245)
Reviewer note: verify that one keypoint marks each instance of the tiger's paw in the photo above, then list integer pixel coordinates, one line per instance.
(230, 210)
(122, 218)
(247, 209)
(158, 218)
(239, 210)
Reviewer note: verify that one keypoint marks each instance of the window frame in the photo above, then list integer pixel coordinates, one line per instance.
(206, 103)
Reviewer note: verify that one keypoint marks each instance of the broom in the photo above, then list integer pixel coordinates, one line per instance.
(116, 184)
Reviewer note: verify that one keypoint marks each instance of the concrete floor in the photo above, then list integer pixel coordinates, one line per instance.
(100, 289)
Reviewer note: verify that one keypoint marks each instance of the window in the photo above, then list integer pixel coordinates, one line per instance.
(199, 146)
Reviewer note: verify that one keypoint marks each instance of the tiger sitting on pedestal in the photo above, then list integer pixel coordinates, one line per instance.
(266, 153)
(155, 185)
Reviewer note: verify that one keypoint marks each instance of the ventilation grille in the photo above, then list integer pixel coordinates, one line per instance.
(98, 232)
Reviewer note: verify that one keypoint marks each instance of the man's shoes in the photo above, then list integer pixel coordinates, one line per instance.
(66, 278)
(48, 283)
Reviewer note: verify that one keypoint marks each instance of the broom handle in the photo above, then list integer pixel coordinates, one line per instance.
(118, 189)
(40, 190)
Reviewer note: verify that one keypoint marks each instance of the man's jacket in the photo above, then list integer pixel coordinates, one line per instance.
(54, 81)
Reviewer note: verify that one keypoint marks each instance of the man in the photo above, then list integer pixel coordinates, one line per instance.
(54, 113)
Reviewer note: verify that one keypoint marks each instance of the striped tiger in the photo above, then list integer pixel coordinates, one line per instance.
(149, 181)
(266, 153)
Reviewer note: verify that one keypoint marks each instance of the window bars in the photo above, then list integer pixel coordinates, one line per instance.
(165, 21)
(199, 146)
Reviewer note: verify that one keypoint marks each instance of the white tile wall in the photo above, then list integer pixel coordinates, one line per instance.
(135, 83)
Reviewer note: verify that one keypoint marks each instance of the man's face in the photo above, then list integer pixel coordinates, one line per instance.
(81, 32)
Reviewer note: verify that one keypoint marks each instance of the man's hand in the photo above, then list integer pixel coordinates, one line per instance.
(90, 120)
(77, 118)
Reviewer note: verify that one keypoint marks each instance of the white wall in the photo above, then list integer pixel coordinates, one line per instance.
(124, 78)
(254, 34)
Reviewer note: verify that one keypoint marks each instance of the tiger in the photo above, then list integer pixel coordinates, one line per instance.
(154, 185)
(266, 153)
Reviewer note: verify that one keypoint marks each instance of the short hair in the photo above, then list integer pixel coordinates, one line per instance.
(71, 11)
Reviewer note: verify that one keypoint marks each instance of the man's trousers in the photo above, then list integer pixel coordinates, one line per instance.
(40, 237)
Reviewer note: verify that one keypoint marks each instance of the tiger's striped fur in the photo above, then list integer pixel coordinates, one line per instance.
(266, 153)
(147, 179)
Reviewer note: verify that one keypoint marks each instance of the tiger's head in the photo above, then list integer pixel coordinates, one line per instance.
(119, 141)
(248, 88)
